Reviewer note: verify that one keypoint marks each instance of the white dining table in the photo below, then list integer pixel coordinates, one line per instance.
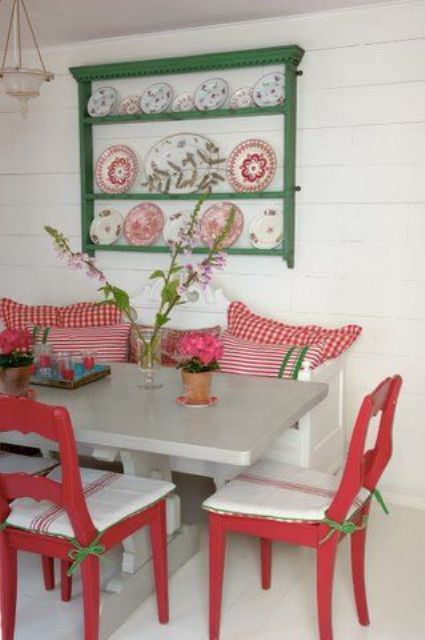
(118, 419)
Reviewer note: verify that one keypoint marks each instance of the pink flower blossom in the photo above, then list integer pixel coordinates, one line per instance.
(202, 346)
(15, 340)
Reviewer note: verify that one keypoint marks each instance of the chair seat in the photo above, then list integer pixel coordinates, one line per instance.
(110, 498)
(17, 463)
(280, 491)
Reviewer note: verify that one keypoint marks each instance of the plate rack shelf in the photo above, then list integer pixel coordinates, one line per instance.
(287, 56)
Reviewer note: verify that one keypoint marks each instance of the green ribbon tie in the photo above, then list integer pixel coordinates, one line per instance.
(347, 527)
(79, 554)
(380, 500)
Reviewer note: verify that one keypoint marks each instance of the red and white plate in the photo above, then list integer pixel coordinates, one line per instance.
(266, 229)
(106, 226)
(214, 220)
(251, 166)
(116, 169)
(143, 224)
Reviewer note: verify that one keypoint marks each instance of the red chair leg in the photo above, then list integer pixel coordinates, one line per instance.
(160, 563)
(358, 546)
(48, 572)
(66, 582)
(266, 563)
(217, 557)
(8, 584)
(326, 556)
(91, 597)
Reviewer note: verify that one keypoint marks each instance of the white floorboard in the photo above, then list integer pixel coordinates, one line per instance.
(396, 566)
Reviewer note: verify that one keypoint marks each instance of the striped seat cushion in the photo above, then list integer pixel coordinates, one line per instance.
(280, 491)
(16, 463)
(273, 360)
(110, 497)
(109, 343)
(243, 323)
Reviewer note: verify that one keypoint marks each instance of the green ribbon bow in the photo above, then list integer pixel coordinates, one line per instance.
(380, 500)
(79, 554)
(347, 527)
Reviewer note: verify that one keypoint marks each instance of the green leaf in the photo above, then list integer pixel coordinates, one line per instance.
(169, 291)
(161, 319)
(157, 274)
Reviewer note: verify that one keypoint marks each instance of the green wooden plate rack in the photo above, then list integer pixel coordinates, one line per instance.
(289, 56)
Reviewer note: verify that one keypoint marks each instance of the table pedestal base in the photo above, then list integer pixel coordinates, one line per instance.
(125, 592)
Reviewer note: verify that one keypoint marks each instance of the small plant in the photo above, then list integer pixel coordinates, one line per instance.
(16, 348)
(199, 352)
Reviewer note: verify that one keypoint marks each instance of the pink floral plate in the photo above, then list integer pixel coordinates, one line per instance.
(116, 169)
(251, 166)
(182, 400)
(214, 220)
(143, 224)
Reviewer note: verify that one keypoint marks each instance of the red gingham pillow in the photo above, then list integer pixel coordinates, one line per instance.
(89, 314)
(109, 343)
(170, 338)
(243, 323)
(18, 316)
(273, 360)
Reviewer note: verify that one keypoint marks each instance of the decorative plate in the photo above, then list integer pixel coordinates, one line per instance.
(184, 102)
(103, 102)
(183, 163)
(211, 94)
(242, 98)
(157, 98)
(268, 91)
(214, 220)
(129, 106)
(143, 224)
(116, 169)
(266, 229)
(251, 165)
(173, 225)
(106, 226)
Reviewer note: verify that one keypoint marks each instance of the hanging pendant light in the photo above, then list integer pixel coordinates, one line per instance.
(22, 82)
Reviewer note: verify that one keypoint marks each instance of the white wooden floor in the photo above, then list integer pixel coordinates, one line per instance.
(396, 562)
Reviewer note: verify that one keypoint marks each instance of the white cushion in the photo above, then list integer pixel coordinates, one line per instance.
(280, 491)
(110, 497)
(16, 463)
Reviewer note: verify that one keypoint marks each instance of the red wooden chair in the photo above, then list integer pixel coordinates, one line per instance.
(17, 463)
(274, 501)
(75, 515)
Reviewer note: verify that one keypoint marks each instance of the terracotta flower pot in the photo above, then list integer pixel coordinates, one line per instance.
(197, 387)
(15, 381)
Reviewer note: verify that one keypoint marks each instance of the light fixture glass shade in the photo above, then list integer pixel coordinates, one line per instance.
(24, 84)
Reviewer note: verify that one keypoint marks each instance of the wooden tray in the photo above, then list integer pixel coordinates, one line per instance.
(100, 371)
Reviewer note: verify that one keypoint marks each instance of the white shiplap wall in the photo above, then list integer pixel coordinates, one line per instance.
(360, 217)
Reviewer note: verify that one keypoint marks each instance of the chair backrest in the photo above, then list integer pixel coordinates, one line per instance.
(54, 423)
(364, 468)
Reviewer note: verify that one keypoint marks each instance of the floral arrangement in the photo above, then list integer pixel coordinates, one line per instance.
(176, 280)
(199, 352)
(16, 348)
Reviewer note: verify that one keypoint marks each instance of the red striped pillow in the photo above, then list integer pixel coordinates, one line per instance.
(245, 324)
(89, 314)
(273, 360)
(109, 343)
(17, 316)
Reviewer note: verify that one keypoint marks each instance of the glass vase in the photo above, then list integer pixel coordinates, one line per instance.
(149, 358)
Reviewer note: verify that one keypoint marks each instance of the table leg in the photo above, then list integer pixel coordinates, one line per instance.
(126, 590)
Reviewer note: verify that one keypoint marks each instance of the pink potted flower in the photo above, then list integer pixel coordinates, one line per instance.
(199, 355)
(16, 361)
